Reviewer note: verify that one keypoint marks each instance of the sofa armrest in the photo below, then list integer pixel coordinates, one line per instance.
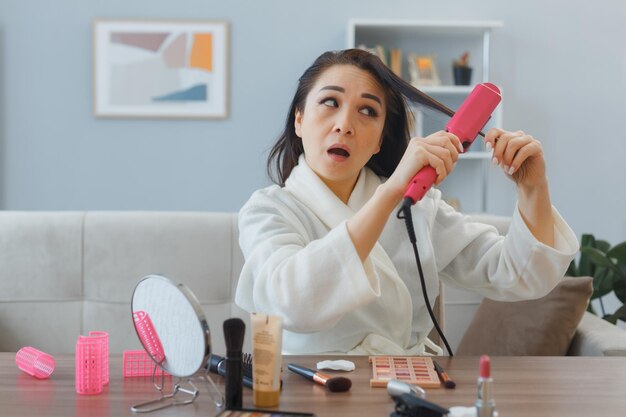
(597, 337)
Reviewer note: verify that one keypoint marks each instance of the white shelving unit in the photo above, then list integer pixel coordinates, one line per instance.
(446, 41)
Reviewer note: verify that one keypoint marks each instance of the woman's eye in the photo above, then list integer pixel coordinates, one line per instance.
(368, 111)
(331, 102)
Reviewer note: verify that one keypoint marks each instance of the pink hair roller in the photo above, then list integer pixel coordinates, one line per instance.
(35, 362)
(104, 339)
(88, 365)
(138, 363)
(148, 335)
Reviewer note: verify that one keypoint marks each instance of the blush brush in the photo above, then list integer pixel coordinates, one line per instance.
(234, 331)
(334, 384)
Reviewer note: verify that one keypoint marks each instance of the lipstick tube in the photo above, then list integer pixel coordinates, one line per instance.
(485, 404)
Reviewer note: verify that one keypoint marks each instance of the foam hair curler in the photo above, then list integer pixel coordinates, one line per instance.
(35, 362)
(148, 335)
(104, 339)
(138, 363)
(89, 365)
(465, 124)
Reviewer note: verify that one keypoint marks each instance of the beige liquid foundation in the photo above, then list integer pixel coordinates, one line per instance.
(267, 338)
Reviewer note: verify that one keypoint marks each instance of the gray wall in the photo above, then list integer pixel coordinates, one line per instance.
(562, 66)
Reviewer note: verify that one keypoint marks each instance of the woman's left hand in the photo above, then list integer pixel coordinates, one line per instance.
(520, 156)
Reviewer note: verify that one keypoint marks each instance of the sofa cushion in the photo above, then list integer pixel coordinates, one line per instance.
(192, 248)
(51, 326)
(597, 337)
(67, 273)
(541, 327)
(41, 256)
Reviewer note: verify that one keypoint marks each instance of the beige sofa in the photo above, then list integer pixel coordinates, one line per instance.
(67, 273)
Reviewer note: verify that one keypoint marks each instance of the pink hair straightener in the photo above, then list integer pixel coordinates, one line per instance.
(466, 124)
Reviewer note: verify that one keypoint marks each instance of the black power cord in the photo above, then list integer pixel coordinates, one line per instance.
(405, 213)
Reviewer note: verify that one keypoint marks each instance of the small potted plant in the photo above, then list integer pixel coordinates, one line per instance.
(461, 70)
(607, 266)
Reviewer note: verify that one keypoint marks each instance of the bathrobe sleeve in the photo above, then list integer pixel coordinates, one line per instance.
(310, 281)
(513, 267)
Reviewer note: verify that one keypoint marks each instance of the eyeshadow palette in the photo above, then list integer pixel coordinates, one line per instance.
(415, 370)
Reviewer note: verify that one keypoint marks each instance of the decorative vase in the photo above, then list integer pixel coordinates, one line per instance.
(462, 75)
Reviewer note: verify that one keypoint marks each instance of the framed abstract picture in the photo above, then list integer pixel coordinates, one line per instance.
(161, 69)
(423, 70)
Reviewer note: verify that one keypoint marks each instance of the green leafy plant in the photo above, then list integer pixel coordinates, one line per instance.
(607, 266)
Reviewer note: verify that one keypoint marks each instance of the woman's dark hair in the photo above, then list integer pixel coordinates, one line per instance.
(396, 132)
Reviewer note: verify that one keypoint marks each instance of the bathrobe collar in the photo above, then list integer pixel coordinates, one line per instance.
(309, 188)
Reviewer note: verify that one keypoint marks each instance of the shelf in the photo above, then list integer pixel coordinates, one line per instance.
(445, 41)
(448, 27)
(445, 89)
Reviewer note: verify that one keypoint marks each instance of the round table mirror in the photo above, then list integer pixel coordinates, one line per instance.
(174, 332)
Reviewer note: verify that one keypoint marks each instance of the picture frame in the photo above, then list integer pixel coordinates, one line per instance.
(423, 70)
(160, 69)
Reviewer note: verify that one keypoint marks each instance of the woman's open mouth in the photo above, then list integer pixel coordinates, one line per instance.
(338, 153)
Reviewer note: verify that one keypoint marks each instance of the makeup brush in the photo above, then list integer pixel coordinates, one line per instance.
(217, 364)
(447, 382)
(334, 384)
(234, 331)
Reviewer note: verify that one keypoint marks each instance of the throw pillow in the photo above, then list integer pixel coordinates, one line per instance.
(541, 327)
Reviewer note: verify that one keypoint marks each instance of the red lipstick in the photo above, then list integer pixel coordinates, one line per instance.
(485, 404)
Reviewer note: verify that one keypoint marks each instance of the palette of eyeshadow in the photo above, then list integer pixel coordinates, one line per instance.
(410, 369)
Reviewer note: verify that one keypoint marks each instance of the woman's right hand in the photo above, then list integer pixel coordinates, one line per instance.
(439, 150)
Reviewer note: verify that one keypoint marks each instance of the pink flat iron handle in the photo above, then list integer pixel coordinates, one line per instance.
(465, 124)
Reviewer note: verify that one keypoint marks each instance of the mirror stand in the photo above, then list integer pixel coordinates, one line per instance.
(214, 392)
(169, 400)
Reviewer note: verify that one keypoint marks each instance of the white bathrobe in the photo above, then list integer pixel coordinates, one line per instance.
(302, 265)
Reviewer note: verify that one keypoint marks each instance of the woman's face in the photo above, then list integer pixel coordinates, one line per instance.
(341, 126)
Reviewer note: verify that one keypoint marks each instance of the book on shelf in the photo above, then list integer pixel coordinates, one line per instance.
(391, 58)
(396, 61)
(380, 51)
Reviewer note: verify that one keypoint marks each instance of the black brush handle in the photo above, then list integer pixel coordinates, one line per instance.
(217, 365)
(246, 379)
(234, 380)
(214, 362)
(301, 370)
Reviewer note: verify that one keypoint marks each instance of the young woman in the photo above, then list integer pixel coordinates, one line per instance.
(323, 247)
